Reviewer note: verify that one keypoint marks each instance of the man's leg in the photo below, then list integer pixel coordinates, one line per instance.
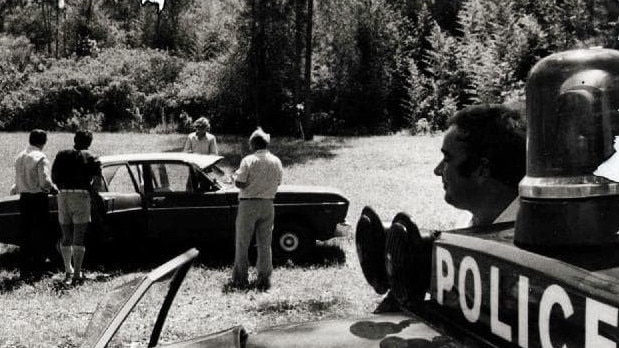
(78, 249)
(264, 235)
(80, 206)
(65, 249)
(66, 226)
(26, 231)
(244, 230)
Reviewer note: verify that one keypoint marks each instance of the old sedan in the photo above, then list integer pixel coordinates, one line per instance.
(180, 200)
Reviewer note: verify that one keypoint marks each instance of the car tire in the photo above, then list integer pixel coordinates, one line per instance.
(291, 242)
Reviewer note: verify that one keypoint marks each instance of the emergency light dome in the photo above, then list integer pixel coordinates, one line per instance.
(573, 119)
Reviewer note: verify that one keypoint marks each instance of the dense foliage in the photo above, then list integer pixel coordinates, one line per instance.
(377, 66)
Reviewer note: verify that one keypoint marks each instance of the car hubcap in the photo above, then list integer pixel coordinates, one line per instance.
(289, 242)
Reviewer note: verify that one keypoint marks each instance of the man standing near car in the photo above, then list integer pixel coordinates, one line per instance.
(258, 178)
(33, 184)
(74, 171)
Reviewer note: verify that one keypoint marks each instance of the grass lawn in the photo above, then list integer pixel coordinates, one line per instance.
(390, 173)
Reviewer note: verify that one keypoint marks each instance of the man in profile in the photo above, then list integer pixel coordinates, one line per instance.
(258, 178)
(484, 159)
(33, 184)
(74, 171)
(201, 141)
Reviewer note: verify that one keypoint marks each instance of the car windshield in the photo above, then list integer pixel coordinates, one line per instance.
(219, 174)
(120, 316)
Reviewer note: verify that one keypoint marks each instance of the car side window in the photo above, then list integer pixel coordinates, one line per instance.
(138, 174)
(171, 177)
(118, 179)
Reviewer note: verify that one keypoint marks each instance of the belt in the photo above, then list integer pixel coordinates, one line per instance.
(255, 199)
(73, 190)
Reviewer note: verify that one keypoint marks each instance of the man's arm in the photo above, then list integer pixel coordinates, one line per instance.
(188, 144)
(94, 166)
(56, 168)
(241, 175)
(45, 180)
(214, 149)
(14, 190)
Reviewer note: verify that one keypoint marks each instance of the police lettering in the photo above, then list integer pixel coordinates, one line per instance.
(554, 299)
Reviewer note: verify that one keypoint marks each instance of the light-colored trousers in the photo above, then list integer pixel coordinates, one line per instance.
(254, 216)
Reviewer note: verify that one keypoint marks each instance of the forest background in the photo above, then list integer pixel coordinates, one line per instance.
(295, 67)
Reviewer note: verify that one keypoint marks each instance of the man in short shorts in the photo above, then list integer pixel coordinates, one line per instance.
(74, 171)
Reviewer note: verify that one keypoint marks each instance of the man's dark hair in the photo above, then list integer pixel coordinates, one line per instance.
(259, 139)
(38, 137)
(494, 132)
(82, 139)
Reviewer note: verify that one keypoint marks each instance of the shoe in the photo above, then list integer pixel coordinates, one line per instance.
(68, 278)
(232, 285)
(263, 284)
(78, 279)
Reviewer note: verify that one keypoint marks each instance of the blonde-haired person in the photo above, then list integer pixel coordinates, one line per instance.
(201, 141)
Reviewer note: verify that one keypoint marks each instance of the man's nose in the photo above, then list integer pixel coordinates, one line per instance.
(438, 171)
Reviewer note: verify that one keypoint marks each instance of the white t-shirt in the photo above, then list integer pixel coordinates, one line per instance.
(262, 172)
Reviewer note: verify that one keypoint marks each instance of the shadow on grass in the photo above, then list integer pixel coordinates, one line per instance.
(290, 151)
(101, 266)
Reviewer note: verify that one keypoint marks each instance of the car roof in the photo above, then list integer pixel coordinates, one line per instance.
(200, 160)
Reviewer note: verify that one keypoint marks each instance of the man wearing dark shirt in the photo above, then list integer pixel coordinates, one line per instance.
(74, 171)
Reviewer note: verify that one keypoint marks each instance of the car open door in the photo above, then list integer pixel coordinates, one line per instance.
(180, 214)
(119, 303)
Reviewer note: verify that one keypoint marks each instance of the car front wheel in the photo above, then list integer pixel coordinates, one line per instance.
(291, 241)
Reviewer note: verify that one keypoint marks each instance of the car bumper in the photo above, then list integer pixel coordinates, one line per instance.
(343, 229)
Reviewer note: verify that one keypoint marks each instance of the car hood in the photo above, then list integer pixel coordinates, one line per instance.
(382, 330)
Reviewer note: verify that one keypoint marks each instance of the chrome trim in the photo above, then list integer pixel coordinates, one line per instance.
(567, 187)
(124, 210)
(311, 204)
(188, 208)
(9, 214)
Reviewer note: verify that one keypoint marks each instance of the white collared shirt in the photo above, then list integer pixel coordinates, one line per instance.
(206, 146)
(262, 172)
(32, 173)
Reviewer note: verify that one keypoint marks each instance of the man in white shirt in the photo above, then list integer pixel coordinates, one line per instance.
(33, 183)
(258, 177)
(201, 141)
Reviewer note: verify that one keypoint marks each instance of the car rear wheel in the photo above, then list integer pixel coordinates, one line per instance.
(291, 241)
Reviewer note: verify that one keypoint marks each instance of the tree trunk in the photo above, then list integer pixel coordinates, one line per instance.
(298, 58)
(253, 62)
(309, 134)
